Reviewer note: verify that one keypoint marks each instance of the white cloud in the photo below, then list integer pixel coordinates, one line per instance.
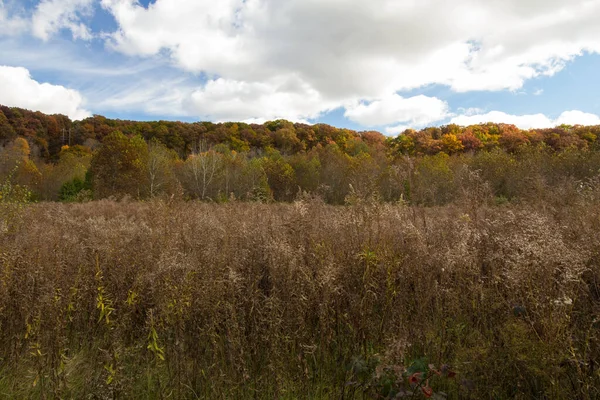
(470, 111)
(397, 129)
(11, 24)
(577, 118)
(20, 90)
(287, 98)
(296, 59)
(417, 111)
(529, 121)
(332, 43)
(522, 121)
(201, 35)
(348, 51)
(51, 16)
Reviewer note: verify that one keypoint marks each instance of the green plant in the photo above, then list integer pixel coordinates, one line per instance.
(76, 190)
(382, 381)
(13, 199)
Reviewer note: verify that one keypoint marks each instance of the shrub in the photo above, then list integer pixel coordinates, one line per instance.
(13, 199)
(200, 300)
(70, 191)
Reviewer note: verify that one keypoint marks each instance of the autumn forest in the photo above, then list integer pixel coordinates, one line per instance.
(60, 159)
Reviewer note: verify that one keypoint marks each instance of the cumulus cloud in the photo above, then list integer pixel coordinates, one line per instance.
(417, 111)
(530, 121)
(19, 89)
(396, 129)
(297, 59)
(348, 51)
(576, 117)
(51, 16)
(287, 98)
(334, 45)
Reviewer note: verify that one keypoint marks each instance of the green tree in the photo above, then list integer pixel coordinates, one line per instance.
(335, 174)
(160, 169)
(73, 163)
(70, 191)
(307, 171)
(256, 184)
(364, 176)
(119, 167)
(6, 130)
(15, 162)
(433, 180)
(280, 176)
(403, 143)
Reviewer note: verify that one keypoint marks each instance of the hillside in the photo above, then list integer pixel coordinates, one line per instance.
(48, 133)
(59, 159)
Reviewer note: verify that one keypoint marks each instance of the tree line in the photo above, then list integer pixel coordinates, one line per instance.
(60, 159)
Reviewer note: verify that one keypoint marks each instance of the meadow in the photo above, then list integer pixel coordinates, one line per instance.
(174, 299)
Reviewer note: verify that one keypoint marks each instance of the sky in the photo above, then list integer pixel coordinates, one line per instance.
(383, 65)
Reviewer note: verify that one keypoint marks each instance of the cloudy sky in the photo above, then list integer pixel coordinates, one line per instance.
(362, 64)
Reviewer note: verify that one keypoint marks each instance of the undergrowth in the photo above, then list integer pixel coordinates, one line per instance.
(244, 300)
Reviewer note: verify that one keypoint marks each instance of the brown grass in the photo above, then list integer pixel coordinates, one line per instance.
(302, 300)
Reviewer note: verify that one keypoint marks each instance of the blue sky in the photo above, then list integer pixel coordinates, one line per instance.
(363, 64)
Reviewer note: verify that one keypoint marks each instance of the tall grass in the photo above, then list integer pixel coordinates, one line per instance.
(303, 300)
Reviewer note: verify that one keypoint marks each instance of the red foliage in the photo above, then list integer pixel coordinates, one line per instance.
(470, 141)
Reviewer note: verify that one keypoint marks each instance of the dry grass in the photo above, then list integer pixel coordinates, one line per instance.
(302, 300)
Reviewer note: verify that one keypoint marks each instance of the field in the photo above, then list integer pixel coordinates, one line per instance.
(174, 299)
(287, 199)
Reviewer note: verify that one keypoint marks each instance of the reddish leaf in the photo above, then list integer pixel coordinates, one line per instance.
(415, 378)
(427, 391)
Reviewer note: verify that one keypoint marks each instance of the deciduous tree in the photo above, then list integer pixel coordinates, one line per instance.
(119, 167)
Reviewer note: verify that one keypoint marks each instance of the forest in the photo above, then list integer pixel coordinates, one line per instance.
(96, 158)
(200, 260)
